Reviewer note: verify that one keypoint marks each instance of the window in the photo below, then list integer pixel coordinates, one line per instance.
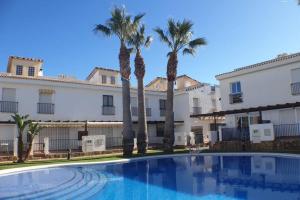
(235, 87)
(31, 71)
(195, 102)
(19, 70)
(212, 88)
(108, 100)
(103, 79)
(162, 104)
(159, 130)
(113, 80)
(9, 94)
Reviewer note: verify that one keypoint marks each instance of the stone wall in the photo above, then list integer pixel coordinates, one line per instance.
(279, 145)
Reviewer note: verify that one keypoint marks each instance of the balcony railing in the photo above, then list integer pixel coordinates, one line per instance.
(134, 111)
(108, 110)
(287, 130)
(162, 112)
(236, 98)
(45, 108)
(197, 110)
(8, 106)
(295, 87)
(148, 112)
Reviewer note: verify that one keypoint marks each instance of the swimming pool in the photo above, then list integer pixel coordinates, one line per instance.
(175, 178)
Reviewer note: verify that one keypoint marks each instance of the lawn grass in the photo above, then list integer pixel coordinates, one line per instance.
(86, 159)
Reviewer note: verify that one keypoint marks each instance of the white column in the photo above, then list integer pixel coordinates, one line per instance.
(46, 145)
(296, 115)
(220, 133)
(16, 147)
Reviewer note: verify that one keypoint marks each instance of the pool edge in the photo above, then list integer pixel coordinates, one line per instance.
(123, 160)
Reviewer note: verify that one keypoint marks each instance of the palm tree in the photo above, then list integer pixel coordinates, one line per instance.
(178, 37)
(33, 130)
(138, 40)
(123, 26)
(21, 122)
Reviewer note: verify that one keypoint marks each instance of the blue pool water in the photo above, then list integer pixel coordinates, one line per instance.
(175, 178)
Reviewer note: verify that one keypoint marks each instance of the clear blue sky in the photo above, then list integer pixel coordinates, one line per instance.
(238, 32)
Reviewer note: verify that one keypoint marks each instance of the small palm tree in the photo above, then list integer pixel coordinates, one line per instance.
(33, 130)
(123, 26)
(178, 37)
(21, 122)
(139, 40)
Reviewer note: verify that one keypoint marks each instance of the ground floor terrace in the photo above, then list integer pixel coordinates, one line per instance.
(279, 122)
(61, 136)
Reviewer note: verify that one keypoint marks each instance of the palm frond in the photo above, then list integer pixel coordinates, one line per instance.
(148, 41)
(163, 37)
(103, 29)
(188, 51)
(197, 42)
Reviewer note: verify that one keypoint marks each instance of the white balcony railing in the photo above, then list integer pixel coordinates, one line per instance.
(196, 110)
(236, 98)
(134, 111)
(108, 110)
(8, 106)
(45, 108)
(295, 87)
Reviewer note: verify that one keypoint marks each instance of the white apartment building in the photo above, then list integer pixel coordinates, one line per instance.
(68, 108)
(266, 92)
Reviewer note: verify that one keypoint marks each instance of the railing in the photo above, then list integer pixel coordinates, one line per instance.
(64, 144)
(108, 110)
(287, 130)
(233, 134)
(134, 111)
(162, 112)
(295, 87)
(8, 106)
(45, 108)
(148, 112)
(38, 147)
(6, 145)
(114, 142)
(196, 110)
(236, 98)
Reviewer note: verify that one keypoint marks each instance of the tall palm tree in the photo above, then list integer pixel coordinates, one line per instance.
(178, 38)
(21, 122)
(123, 26)
(139, 40)
(33, 130)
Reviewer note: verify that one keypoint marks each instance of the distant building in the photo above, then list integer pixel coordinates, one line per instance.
(67, 107)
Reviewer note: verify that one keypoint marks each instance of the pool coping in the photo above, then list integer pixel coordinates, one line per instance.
(124, 160)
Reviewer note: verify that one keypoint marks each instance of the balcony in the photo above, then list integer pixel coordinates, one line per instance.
(108, 110)
(295, 87)
(8, 106)
(162, 112)
(236, 98)
(134, 111)
(196, 110)
(148, 112)
(45, 108)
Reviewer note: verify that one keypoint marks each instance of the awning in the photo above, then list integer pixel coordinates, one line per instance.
(248, 110)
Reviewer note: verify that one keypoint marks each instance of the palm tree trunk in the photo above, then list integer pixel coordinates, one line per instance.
(29, 149)
(20, 147)
(169, 120)
(128, 135)
(142, 136)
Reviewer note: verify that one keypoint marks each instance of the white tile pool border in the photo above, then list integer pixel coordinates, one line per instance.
(124, 160)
